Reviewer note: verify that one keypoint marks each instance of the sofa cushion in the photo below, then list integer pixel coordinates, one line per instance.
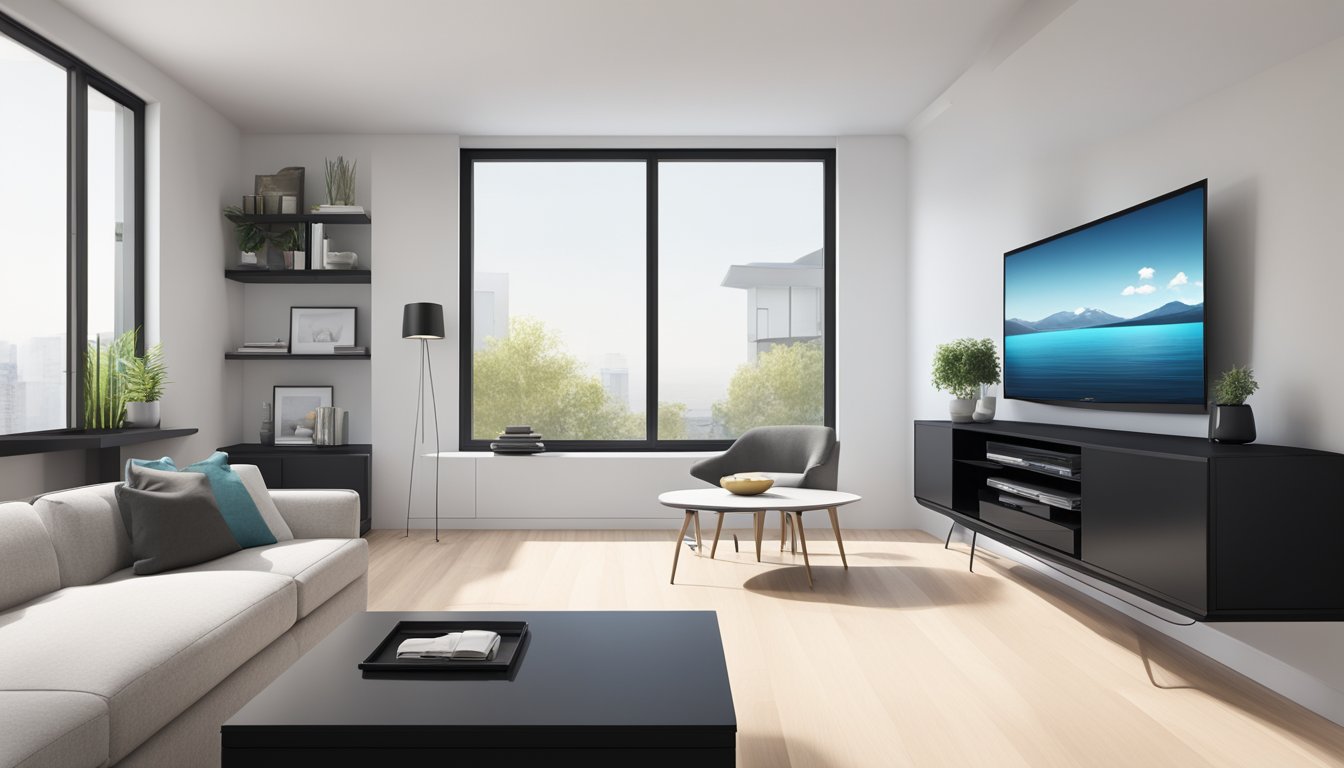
(150, 645)
(256, 487)
(319, 567)
(86, 532)
(173, 519)
(62, 729)
(27, 560)
(232, 496)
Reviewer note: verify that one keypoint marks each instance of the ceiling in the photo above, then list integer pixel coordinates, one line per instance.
(560, 67)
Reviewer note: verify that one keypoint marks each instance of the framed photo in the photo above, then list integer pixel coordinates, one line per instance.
(319, 330)
(296, 412)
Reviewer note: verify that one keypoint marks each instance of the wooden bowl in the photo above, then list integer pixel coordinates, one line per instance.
(746, 484)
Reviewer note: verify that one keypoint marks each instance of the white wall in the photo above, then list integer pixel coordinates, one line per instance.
(410, 185)
(192, 157)
(1270, 147)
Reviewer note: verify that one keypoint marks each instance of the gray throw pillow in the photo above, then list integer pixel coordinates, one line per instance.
(172, 519)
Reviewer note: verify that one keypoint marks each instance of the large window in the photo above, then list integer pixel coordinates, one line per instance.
(71, 146)
(637, 300)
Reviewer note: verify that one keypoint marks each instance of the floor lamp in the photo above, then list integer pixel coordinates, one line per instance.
(423, 321)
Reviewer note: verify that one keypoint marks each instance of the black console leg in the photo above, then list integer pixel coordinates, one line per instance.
(948, 543)
(971, 567)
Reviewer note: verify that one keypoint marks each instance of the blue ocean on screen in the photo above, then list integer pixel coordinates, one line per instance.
(1125, 364)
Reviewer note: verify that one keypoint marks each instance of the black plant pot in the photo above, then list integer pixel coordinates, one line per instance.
(1231, 424)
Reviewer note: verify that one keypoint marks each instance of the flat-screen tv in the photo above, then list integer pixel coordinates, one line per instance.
(1111, 314)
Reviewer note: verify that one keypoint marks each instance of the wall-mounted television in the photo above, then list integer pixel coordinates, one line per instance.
(1111, 314)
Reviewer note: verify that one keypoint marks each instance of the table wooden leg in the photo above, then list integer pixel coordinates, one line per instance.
(760, 528)
(718, 528)
(793, 534)
(783, 519)
(699, 545)
(681, 535)
(835, 526)
(802, 539)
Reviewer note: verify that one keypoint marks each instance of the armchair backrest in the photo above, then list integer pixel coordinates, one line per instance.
(790, 449)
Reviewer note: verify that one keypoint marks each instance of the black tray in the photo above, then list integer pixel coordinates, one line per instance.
(512, 635)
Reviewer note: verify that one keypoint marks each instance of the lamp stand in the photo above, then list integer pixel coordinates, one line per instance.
(426, 364)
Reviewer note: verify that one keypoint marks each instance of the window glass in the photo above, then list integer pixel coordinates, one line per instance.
(33, 218)
(741, 286)
(558, 299)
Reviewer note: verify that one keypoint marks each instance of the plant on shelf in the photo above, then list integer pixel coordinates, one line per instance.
(143, 379)
(1231, 419)
(961, 368)
(104, 390)
(252, 237)
(290, 243)
(341, 181)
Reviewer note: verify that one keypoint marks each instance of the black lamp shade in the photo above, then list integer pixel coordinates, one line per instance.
(422, 320)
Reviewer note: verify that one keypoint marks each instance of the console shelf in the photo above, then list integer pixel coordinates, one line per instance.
(1214, 532)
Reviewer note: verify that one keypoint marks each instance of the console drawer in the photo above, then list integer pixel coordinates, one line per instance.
(1052, 534)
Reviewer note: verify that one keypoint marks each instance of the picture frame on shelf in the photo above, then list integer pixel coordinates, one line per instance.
(319, 330)
(296, 411)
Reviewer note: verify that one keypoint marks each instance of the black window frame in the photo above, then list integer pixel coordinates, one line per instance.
(652, 158)
(79, 78)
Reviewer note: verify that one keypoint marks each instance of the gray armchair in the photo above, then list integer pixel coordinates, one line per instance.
(794, 456)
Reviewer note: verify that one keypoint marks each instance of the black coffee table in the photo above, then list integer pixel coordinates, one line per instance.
(618, 688)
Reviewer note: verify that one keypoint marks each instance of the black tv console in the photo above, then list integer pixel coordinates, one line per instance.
(1214, 532)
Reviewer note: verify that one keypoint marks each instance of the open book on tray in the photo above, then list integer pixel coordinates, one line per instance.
(472, 644)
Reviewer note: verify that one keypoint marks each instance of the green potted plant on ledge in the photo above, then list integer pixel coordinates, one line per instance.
(143, 379)
(962, 368)
(252, 237)
(1231, 419)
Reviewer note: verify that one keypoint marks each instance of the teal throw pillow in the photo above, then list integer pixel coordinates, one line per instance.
(231, 496)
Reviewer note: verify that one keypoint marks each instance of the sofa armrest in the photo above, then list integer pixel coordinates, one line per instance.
(319, 514)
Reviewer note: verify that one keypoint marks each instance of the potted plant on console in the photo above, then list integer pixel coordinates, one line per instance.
(1230, 418)
(962, 368)
(142, 384)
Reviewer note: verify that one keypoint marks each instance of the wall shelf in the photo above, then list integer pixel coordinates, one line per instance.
(305, 218)
(300, 276)
(262, 356)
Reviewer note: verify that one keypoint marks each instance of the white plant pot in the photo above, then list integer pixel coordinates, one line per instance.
(247, 257)
(984, 410)
(961, 409)
(142, 415)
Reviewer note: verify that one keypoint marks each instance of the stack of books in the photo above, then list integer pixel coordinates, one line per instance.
(346, 349)
(276, 347)
(324, 208)
(520, 439)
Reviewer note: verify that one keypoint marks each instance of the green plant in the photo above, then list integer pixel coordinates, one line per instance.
(104, 393)
(287, 240)
(961, 366)
(252, 237)
(1234, 386)
(143, 378)
(341, 181)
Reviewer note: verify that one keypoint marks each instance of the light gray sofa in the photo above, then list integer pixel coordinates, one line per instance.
(99, 666)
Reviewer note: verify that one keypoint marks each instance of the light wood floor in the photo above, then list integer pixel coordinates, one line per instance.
(907, 659)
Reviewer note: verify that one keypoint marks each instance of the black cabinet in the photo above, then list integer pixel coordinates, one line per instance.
(1215, 532)
(312, 466)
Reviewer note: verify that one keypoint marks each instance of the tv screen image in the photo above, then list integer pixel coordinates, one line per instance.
(1111, 314)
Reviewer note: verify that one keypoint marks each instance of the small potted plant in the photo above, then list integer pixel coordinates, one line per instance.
(291, 244)
(1230, 418)
(341, 181)
(961, 368)
(252, 237)
(143, 379)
